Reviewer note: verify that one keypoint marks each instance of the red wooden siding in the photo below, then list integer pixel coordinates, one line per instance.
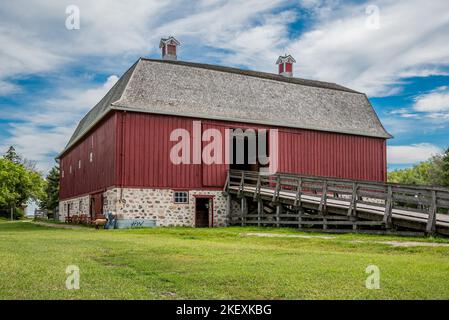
(93, 176)
(133, 150)
(281, 68)
(332, 155)
(147, 154)
(214, 175)
(146, 149)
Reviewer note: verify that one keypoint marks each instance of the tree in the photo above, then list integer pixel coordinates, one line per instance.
(12, 155)
(434, 172)
(18, 184)
(50, 197)
(445, 166)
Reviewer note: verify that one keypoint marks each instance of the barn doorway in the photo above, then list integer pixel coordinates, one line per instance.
(248, 148)
(203, 212)
(96, 206)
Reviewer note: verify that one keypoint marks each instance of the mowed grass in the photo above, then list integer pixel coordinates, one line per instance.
(218, 263)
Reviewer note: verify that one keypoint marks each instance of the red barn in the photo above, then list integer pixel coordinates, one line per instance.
(119, 157)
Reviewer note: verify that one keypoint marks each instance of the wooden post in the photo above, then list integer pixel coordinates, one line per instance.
(300, 212)
(12, 213)
(242, 182)
(244, 210)
(257, 190)
(276, 190)
(259, 211)
(388, 208)
(278, 212)
(431, 222)
(228, 181)
(322, 206)
(298, 193)
(352, 210)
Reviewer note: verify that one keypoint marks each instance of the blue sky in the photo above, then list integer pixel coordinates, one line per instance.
(397, 52)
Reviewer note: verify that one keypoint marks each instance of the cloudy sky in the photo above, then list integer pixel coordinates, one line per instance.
(395, 51)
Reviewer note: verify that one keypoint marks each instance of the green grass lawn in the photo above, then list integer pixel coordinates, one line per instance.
(219, 263)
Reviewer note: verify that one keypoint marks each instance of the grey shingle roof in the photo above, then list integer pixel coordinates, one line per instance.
(215, 92)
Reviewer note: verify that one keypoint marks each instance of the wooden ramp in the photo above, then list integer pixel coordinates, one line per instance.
(335, 205)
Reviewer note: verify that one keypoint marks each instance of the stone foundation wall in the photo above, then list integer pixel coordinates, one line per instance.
(152, 204)
(77, 206)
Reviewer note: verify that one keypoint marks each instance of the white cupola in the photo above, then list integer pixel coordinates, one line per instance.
(168, 47)
(285, 63)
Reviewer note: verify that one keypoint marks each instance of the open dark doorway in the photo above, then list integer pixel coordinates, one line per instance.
(96, 206)
(245, 146)
(203, 207)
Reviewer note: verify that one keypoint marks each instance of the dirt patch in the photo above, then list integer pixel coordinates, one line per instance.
(414, 244)
(55, 225)
(405, 243)
(278, 235)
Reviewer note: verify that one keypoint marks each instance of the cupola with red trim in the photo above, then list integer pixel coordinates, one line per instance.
(168, 47)
(285, 64)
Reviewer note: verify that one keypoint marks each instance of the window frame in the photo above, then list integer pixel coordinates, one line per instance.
(177, 197)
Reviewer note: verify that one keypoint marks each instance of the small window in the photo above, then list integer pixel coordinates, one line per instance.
(91, 157)
(79, 164)
(181, 197)
(63, 173)
(171, 49)
(70, 169)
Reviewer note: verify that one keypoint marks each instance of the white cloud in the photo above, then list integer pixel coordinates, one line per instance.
(436, 101)
(43, 133)
(8, 88)
(411, 154)
(411, 41)
(336, 46)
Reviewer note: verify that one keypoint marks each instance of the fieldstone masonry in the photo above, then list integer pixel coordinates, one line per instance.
(77, 206)
(153, 204)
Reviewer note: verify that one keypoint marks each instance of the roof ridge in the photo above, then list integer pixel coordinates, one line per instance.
(258, 74)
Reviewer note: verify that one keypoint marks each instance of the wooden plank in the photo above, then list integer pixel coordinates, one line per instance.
(388, 209)
(322, 206)
(278, 213)
(257, 190)
(298, 193)
(300, 213)
(373, 195)
(407, 215)
(276, 191)
(430, 228)
(244, 210)
(352, 207)
(242, 182)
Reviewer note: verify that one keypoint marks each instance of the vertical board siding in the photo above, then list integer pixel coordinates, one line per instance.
(147, 153)
(214, 175)
(146, 146)
(95, 175)
(332, 155)
(133, 150)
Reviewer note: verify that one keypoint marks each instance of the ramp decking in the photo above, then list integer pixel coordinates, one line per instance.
(336, 205)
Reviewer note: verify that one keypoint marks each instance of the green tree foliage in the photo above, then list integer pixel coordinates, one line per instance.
(434, 172)
(445, 168)
(12, 155)
(19, 182)
(50, 197)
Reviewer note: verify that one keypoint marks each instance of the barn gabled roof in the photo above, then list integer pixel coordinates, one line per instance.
(214, 92)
